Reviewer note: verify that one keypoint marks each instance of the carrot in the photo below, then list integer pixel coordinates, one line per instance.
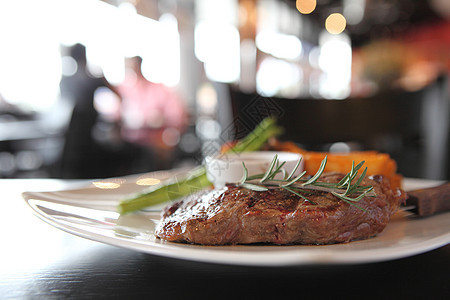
(376, 163)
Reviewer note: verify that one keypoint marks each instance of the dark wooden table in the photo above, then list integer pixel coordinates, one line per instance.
(38, 261)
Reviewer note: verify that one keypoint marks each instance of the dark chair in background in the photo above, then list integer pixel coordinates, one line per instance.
(409, 126)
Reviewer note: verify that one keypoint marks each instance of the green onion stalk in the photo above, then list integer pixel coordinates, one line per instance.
(196, 179)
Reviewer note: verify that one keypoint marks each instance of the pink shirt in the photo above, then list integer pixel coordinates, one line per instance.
(148, 108)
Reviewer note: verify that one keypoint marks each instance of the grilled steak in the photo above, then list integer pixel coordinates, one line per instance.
(234, 215)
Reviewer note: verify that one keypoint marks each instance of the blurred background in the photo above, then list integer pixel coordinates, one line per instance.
(95, 89)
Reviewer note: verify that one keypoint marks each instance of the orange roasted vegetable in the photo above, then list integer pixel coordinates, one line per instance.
(376, 163)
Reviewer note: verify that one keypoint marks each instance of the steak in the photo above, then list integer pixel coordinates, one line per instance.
(235, 215)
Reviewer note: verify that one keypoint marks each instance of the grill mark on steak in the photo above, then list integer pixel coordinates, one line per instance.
(235, 215)
(251, 202)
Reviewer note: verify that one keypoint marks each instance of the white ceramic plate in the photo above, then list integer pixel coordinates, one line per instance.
(89, 212)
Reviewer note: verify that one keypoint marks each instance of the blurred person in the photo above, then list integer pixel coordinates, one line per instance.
(78, 89)
(153, 115)
(85, 153)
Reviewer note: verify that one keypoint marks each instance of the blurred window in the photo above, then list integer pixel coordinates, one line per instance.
(30, 58)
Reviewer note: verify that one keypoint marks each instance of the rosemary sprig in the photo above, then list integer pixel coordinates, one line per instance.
(346, 189)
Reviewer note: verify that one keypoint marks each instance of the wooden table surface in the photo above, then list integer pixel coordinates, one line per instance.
(38, 261)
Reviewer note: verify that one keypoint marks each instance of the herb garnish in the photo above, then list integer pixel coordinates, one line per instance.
(343, 190)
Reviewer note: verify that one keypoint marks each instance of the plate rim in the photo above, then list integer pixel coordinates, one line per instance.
(288, 256)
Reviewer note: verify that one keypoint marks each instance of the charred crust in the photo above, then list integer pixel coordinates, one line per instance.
(241, 216)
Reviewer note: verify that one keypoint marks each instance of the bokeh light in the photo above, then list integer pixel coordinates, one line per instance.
(306, 6)
(145, 180)
(335, 23)
(109, 184)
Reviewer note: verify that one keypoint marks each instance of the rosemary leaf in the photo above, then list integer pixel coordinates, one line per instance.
(295, 168)
(319, 172)
(360, 179)
(359, 197)
(277, 170)
(269, 171)
(254, 187)
(347, 178)
(254, 177)
(343, 181)
(294, 180)
(245, 175)
(358, 166)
